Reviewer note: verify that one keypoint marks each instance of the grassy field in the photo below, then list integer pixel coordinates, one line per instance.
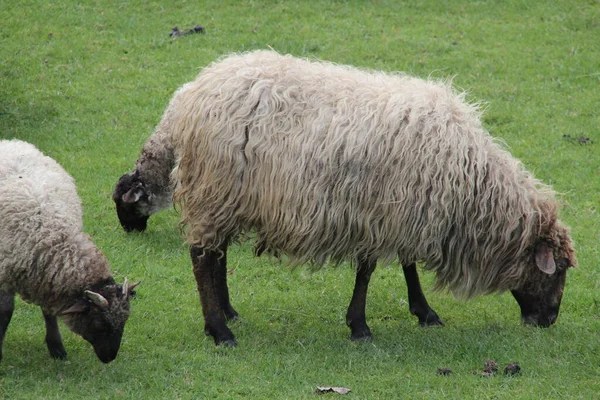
(87, 81)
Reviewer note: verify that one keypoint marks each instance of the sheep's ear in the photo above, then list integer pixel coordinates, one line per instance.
(76, 308)
(544, 259)
(133, 195)
(97, 299)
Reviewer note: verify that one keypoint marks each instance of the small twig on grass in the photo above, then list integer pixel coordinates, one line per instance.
(330, 389)
(175, 32)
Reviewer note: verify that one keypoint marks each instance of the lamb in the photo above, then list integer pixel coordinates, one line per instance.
(329, 162)
(47, 259)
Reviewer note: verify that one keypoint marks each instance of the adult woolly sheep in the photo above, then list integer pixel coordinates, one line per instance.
(47, 259)
(331, 162)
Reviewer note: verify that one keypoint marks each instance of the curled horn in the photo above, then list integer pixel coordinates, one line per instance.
(97, 299)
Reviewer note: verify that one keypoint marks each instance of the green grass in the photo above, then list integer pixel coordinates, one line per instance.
(87, 81)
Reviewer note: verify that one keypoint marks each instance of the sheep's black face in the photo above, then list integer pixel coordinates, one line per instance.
(130, 219)
(540, 308)
(101, 320)
(132, 202)
(541, 293)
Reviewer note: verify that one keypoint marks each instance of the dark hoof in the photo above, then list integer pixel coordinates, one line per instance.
(427, 318)
(227, 343)
(222, 342)
(363, 336)
(232, 318)
(58, 353)
(431, 320)
(366, 338)
(231, 315)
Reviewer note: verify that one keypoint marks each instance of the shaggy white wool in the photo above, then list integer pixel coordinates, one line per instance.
(332, 162)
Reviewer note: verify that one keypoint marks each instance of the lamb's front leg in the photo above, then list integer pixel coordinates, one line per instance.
(355, 317)
(206, 263)
(53, 338)
(7, 306)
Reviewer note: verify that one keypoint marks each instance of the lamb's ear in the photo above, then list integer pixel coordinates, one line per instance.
(76, 308)
(134, 194)
(544, 258)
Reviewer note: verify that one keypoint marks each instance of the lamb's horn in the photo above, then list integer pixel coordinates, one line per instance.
(97, 299)
(127, 288)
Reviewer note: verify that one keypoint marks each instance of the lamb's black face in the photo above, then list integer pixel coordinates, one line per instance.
(103, 334)
(102, 324)
(131, 200)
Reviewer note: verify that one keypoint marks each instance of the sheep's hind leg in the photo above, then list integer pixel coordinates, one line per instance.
(416, 299)
(355, 317)
(7, 306)
(222, 289)
(206, 264)
(53, 338)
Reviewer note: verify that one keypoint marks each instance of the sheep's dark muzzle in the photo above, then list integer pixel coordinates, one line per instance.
(106, 358)
(138, 225)
(106, 349)
(536, 311)
(543, 320)
(130, 220)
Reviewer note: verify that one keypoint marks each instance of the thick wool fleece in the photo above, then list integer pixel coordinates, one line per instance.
(44, 255)
(332, 162)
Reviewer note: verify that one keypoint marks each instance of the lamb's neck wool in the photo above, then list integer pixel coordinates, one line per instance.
(62, 272)
(328, 161)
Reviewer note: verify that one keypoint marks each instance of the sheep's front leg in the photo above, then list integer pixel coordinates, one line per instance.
(356, 317)
(7, 306)
(53, 338)
(222, 289)
(416, 299)
(206, 264)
